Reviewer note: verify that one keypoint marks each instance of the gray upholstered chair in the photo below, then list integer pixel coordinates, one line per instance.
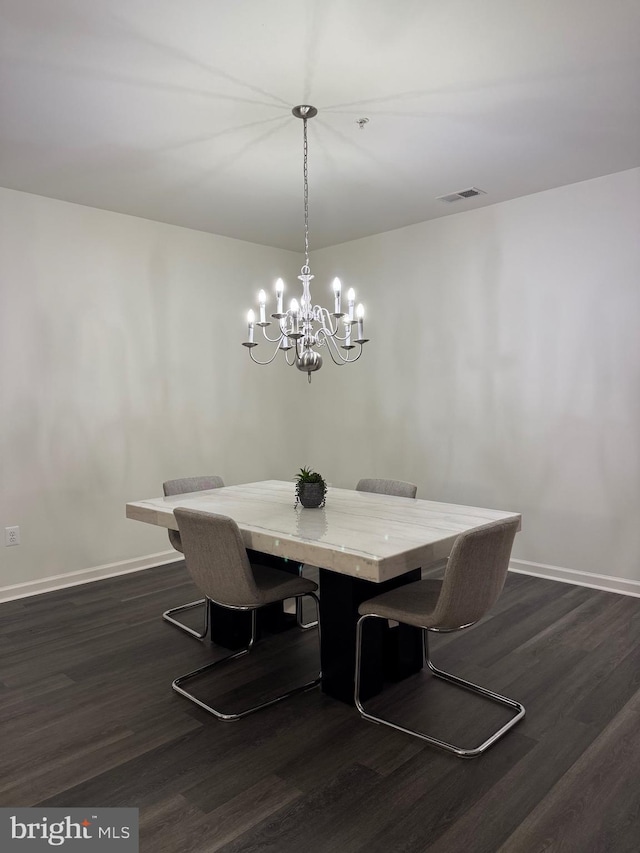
(473, 579)
(399, 488)
(183, 486)
(217, 561)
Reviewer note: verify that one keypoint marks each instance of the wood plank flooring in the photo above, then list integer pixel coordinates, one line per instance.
(88, 718)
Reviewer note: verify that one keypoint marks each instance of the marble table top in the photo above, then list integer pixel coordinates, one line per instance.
(374, 537)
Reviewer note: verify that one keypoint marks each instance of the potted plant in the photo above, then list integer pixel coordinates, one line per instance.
(310, 488)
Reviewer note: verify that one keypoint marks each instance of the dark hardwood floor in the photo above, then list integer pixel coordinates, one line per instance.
(88, 718)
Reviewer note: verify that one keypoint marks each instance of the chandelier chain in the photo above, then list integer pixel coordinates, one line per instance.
(306, 195)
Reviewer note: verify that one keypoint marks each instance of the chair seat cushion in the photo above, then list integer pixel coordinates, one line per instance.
(412, 604)
(276, 585)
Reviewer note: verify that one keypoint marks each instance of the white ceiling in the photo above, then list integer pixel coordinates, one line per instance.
(180, 111)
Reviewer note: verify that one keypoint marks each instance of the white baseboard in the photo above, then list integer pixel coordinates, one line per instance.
(606, 583)
(98, 573)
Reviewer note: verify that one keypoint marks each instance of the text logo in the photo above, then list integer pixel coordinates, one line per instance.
(37, 829)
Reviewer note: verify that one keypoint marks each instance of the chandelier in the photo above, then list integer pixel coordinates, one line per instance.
(304, 328)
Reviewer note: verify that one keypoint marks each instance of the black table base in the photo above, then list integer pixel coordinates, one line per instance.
(390, 654)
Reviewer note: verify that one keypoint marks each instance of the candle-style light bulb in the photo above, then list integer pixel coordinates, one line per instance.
(360, 316)
(279, 291)
(337, 288)
(262, 300)
(251, 318)
(347, 330)
(351, 299)
(295, 312)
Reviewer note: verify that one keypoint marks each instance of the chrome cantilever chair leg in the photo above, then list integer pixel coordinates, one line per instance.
(220, 715)
(453, 679)
(167, 616)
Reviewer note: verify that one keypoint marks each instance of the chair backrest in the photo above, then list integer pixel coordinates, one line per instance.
(475, 574)
(216, 557)
(388, 487)
(183, 486)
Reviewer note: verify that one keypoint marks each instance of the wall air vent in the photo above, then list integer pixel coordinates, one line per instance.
(469, 193)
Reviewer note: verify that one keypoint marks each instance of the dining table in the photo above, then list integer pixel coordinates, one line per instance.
(362, 543)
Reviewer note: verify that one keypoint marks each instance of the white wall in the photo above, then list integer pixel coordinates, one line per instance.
(121, 366)
(503, 371)
(504, 368)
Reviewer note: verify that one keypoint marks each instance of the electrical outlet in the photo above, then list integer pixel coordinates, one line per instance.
(12, 536)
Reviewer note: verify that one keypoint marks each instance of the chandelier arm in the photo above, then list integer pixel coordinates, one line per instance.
(273, 357)
(327, 338)
(338, 363)
(286, 356)
(324, 317)
(331, 343)
(337, 337)
(332, 348)
(332, 333)
(274, 340)
(347, 360)
(283, 330)
(351, 360)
